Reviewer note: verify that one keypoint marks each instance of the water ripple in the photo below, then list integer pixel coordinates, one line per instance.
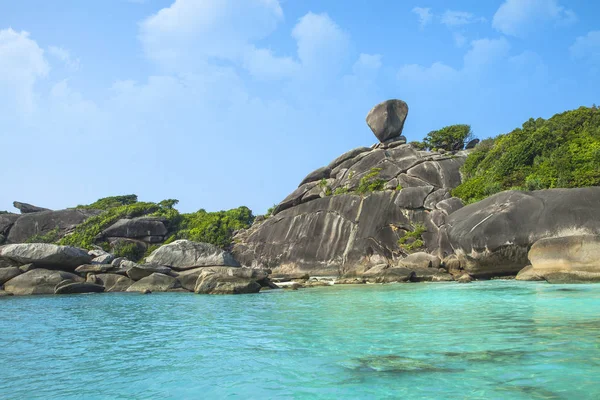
(487, 340)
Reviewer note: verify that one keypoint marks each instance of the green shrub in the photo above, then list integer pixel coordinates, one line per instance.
(129, 250)
(215, 227)
(418, 145)
(112, 202)
(449, 137)
(211, 227)
(412, 241)
(50, 237)
(370, 183)
(563, 151)
(341, 190)
(84, 235)
(399, 187)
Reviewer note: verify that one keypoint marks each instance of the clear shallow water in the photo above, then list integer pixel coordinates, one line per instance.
(486, 340)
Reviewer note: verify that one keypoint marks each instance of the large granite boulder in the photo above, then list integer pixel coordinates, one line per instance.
(41, 223)
(6, 274)
(39, 281)
(386, 274)
(421, 260)
(155, 282)
(93, 269)
(335, 235)
(386, 119)
(137, 272)
(184, 254)
(317, 175)
(26, 208)
(114, 282)
(6, 222)
(147, 229)
(493, 237)
(567, 259)
(77, 288)
(228, 281)
(46, 255)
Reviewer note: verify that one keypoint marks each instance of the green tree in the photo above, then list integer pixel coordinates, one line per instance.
(563, 151)
(451, 137)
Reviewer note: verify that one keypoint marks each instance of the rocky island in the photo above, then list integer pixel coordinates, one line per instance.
(393, 212)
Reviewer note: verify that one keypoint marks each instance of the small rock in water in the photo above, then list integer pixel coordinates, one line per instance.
(146, 291)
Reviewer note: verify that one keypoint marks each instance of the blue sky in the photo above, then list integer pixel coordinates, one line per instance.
(221, 103)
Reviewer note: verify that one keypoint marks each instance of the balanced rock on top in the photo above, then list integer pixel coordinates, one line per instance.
(386, 120)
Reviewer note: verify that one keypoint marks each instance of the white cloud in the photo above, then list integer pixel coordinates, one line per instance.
(484, 52)
(519, 17)
(22, 64)
(459, 39)
(321, 42)
(189, 31)
(263, 65)
(425, 15)
(65, 56)
(367, 63)
(458, 18)
(437, 72)
(587, 47)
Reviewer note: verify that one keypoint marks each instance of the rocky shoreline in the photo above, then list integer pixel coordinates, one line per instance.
(379, 214)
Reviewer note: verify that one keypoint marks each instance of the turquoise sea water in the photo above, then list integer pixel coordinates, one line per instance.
(486, 340)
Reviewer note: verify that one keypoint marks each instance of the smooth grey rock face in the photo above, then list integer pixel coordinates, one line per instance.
(229, 281)
(103, 259)
(185, 254)
(40, 223)
(78, 288)
(386, 119)
(44, 254)
(528, 274)
(493, 237)
(28, 208)
(38, 281)
(347, 156)
(331, 235)
(155, 282)
(138, 272)
(450, 205)
(6, 274)
(420, 260)
(317, 175)
(114, 282)
(93, 269)
(6, 222)
(137, 228)
(472, 144)
(567, 259)
(388, 274)
(413, 197)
